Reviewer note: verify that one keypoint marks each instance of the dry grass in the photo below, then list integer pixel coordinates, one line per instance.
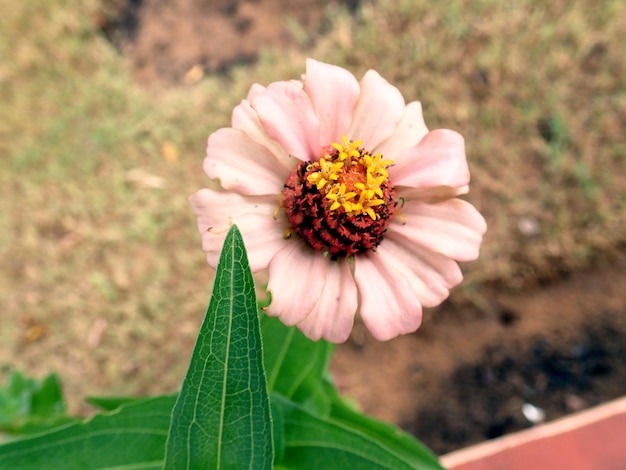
(102, 274)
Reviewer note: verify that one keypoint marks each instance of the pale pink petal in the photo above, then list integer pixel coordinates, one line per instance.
(255, 89)
(378, 111)
(263, 237)
(437, 160)
(431, 274)
(389, 306)
(409, 132)
(246, 118)
(334, 93)
(218, 210)
(287, 115)
(435, 194)
(453, 228)
(332, 317)
(242, 164)
(296, 278)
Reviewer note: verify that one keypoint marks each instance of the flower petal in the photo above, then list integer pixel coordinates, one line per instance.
(334, 93)
(389, 306)
(453, 228)
(435, 194)
(263, 238)
(332, 317)
(431, 274)
(218, 210)
(437, 160)
(255, 89)
(378, 111)
(296, 278)
(246, 118)
(409, 132)
(242, 164)
(287, 115)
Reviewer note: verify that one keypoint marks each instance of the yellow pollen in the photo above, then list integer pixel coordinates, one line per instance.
(376, 165)
(372, 184)
(327, 172)
(350, 177)
(348, 149)
(340, 198)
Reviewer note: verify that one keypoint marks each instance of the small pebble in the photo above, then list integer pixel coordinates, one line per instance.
(533, 413)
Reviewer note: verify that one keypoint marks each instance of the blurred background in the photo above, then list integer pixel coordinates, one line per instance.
(105, 107)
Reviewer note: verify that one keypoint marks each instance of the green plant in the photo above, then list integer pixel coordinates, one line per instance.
(257, 395)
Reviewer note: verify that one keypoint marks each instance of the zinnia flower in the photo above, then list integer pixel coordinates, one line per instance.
(338, 188)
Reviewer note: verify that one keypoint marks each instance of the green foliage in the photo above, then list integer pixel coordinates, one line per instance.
(313, 427)
(296, 365)
(222, 415)
(132, 437)
(28, 406)
(312, 422)
(109, 403)
(313, 441)
(400, 444)
(223, 418)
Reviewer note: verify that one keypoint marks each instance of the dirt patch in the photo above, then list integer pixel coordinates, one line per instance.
(513, 386)
(468, 372)
(178, 41)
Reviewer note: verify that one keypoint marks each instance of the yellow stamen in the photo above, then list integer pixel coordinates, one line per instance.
(328, 172)
(376, 165)
(340, 198)
(280, 205)
(350, 178)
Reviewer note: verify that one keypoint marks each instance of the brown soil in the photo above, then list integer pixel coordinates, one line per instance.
(173, 41)
(466, 374)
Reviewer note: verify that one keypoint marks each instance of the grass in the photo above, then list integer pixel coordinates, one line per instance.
(103, 278)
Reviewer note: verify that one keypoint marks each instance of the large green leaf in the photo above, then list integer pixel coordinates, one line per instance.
(111, 403)
(393, 439)
(297, 369)
(296, 365)
(133, 436)
(314, 442)
(222, 417)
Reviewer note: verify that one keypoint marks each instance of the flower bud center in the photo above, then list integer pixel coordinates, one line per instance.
(343, 203)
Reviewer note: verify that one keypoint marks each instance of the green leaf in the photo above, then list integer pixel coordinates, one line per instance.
(110, 403)
(296, 366)
(131, 437)
(222, 417)
(278, 427)
(314, 442)
(47, 400)
(392, 438)
(297, 369)
(28, 406)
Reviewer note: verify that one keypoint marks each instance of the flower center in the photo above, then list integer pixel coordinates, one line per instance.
(342, 203)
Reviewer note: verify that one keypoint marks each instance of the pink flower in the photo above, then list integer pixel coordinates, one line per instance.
(338, 188)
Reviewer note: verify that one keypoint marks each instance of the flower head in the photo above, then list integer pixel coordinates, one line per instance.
(340, 190)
